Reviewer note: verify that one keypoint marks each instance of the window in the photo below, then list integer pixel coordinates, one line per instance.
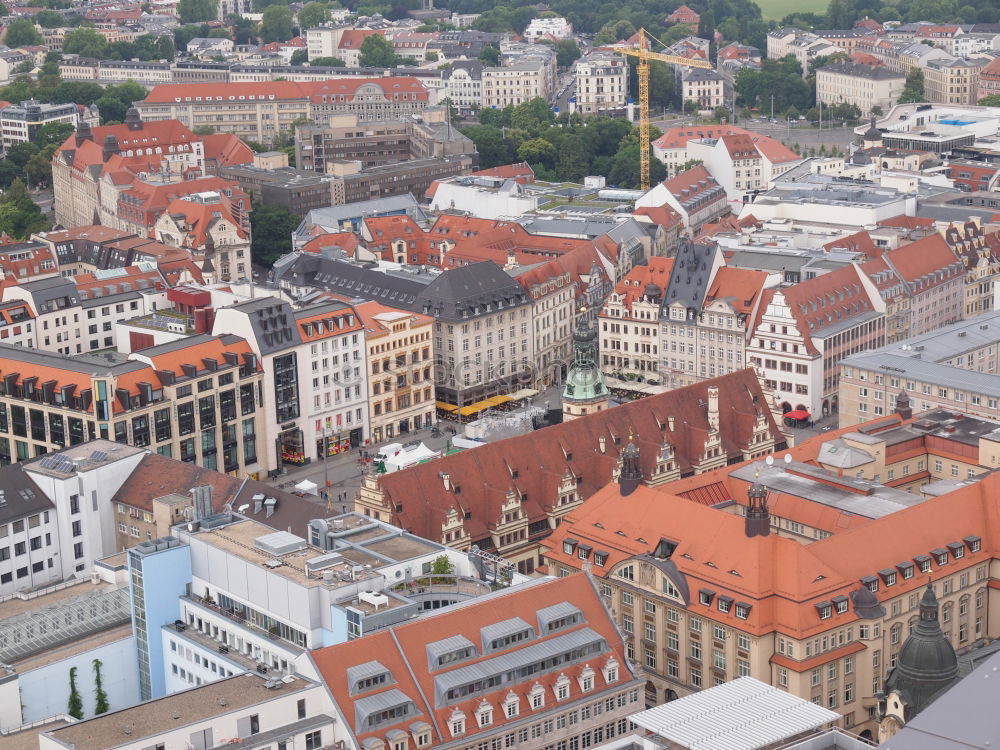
(314, 740)
(743, 642)
(782, 677)
(742, 611)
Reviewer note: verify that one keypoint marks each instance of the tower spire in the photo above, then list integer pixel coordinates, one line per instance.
(758, 519)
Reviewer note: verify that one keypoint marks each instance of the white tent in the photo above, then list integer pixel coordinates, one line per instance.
(409, 457)
(308, 487)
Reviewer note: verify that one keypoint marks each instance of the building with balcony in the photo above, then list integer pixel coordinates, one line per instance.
(20, 123)
(601, 84)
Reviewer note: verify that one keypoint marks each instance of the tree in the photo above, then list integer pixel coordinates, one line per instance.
(117, 99)
(53, 134)
(494, 150)
(260, 6)
(271, 230)
(276, 25)
(313, 14)
(299, 57)
(377, 52)
(75, 705)
(442, 566)
(913, 89)
(615, 31)
(21, 33)
(490, 56)
(689, 164)
(537, 151)
(572, 164)
(328, 62)
(567, 53)
(197, 11)
(993, 100)
(49, 19)
(101, 703)
(431, 56)
(86, 43)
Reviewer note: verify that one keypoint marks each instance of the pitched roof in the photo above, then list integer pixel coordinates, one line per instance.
(403, 651)
(740, 287)
(535, 464)
(635, 283)
(679, 137)
(859, 242)
(196, 219)
(927, 262)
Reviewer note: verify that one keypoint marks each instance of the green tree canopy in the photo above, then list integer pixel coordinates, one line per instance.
(271, 230)
(993, 100)
(49, 19)
(197, 11)
(913, 89)
(21, 32)
(377, 52)
(327, 62)
(276, 25)
(312, 15)
(490, 56)
(86, 43)
(299, 57)
(567, 52)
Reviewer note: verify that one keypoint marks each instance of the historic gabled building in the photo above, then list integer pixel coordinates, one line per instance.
(804, 571)
(507, 496)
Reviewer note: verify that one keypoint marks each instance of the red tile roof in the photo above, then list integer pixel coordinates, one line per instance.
(402, 650)
(633, 286)
(416, 498)
(859, 242)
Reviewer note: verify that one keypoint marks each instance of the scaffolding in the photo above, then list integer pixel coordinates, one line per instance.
(70, 619)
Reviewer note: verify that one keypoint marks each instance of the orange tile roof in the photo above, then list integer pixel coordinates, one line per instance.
(859, 242)
(197, 219)
(346, 241)
(402, 650)
(633, 286)
(198, 350)
(740, 286)
(375, 328)
(328, 321)
(679, 137)
(930, 259)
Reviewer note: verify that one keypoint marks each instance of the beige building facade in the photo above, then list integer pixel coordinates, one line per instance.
(864, 86)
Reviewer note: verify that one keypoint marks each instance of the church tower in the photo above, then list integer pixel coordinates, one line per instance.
(585, 391)
(927, 666)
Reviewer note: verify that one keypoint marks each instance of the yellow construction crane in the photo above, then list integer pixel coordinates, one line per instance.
(642, 68)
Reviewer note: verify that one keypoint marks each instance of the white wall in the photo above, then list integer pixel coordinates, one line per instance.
(45, 691)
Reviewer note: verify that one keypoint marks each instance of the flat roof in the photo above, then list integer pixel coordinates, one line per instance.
(16, 606)
(951, 340)
(170, 712)
(858, 496)
(744, 714)
(28, 739)
(927, 372)
(75, 647)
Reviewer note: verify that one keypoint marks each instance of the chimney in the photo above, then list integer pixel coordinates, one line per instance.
(713, 408)
(446, 478)
(258, 505)
(670, 423)
(602, 443)
(111, 147)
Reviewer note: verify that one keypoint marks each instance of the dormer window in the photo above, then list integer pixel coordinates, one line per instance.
(562, 688)
(611, 671)
(586, 679)
(705, 597)
(569, 546)
(511, 705)
(940, 556)
(457, 723)
(537, 696)
(974, 543)
(924, 561)
(484, 714)
(583, 552)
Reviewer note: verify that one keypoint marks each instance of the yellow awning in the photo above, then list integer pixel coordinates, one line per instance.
(450, 408)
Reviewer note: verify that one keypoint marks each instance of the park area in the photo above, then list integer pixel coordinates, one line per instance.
(778, 9)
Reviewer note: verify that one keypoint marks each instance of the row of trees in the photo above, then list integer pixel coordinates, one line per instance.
(564, 148)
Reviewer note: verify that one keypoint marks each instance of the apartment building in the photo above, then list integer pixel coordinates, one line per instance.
(832, 634)
(952, 367)
(804, 331)
(953, 81)
(514, 84)
(601, 83)
(400, 359)
(706, 87)
(548, 28)
(705, 334)
(694, 194)
(804, 46)
(53, 401)
(205, 224)
(989, 80)
(352, 184)
(20, 123)
(463, 85)
(745, 164)
(260, 110)
(315, 379)
(525, 485)
(672, 147)
(979, 252)
(864, 86)
(628, 323)
(552, 665)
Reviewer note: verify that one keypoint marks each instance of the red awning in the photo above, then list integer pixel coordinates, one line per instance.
(797, 414)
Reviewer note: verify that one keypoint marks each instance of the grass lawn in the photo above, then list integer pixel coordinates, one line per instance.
(778, 9)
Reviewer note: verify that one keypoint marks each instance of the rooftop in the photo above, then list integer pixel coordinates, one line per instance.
(180, 709)
(920, 370)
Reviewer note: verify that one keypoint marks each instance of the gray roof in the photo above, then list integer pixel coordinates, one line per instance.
(963, 717)
(819, 486)
(45, 293)
(86, 364)
(470, 291)
(923, 371)
(690, 275)
(950, 341)
(861, 70)
(20, 496)
(332, 217)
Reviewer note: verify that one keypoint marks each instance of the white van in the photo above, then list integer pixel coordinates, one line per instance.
(388, 450)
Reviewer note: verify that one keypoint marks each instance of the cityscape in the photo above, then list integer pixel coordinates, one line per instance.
(472, 375)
